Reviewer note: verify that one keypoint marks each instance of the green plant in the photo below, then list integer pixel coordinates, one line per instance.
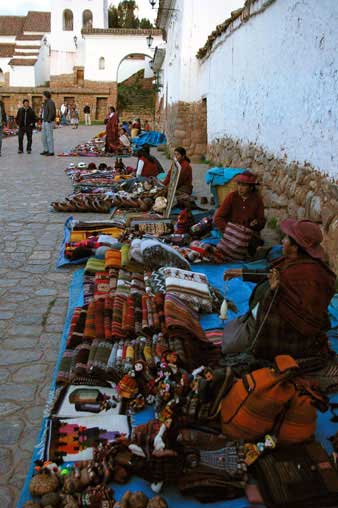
(273, 223)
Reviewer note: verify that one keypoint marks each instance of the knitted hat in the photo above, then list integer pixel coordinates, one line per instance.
(307, 235)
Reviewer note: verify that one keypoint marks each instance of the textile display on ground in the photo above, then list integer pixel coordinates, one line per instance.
(152, 138)
(239, 292)
(7, 132)
(96, 147)
(124, 191)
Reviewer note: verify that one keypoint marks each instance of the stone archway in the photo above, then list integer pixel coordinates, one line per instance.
(135, 90)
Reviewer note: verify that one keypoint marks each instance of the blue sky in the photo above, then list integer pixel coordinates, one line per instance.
(19, 7)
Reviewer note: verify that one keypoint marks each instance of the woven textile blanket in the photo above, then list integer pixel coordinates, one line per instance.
(181, 320)
(123, 283)
(88, 288)
(112, 259)
(101, 286)
(192, 287)
(235, 241)
(156, 254)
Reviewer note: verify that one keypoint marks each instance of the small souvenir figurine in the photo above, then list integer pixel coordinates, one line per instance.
(127, 386)
(254, 450)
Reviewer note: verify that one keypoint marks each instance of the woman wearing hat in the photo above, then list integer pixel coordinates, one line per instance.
(289, 308)
(243, 207)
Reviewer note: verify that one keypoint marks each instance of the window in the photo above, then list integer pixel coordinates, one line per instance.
(101, 63)
(67, 20)
(2, 77)
(87, 19)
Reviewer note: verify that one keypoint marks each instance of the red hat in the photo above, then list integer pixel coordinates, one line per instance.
(307, 235)
(247, 177)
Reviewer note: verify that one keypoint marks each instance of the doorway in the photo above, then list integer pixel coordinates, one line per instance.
(36, 104)
(101, 108)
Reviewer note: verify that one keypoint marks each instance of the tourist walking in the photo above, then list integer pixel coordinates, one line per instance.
(3, 121)
(86, 111)
(64, 111)
(25, 120)
(48, 117)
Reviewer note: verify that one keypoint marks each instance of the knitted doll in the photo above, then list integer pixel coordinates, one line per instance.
(184, 222)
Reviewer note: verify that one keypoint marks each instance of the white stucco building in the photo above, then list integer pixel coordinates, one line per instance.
(265, 76)
(73, 37)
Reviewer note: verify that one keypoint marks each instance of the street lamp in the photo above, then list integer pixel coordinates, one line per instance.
(149, 40)
(75, 40)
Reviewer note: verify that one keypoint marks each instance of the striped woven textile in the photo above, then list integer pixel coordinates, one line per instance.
(89, 331)
(116, 324)
(214, 337)
(181, 320)
(108, 310)
(101, 287)
(235, 241)
(75, 336)
(88, 288)
(99, 319)
(112, 259)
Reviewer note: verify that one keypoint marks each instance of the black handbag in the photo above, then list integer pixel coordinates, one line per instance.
(299, 476)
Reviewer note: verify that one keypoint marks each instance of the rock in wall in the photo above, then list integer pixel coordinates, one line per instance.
(289, 189)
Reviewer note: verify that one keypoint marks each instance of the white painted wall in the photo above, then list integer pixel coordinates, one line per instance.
(22, 76)
(188, 29)
(65, 54)
(129, 67)
(114, 48)
(4, 64)
(7, 39)
(274, 81)
(42, 67)
(62, 62)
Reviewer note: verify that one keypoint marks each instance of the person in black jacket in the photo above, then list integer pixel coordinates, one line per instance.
(25, 120)
(3, 121)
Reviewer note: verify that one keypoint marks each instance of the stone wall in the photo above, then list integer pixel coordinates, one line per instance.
(185, 124)
(288, 189)
(13, 96)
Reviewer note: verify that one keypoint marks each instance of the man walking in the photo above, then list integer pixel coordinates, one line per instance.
(3, 121)
(86, 111)
(25, 120)
(48, 117)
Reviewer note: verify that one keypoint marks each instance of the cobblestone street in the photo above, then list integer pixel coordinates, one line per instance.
(33, 293)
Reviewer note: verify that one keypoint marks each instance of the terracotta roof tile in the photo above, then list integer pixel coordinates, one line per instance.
(7, 49)
(19, 54)
(19, 47)
(122, 31)
(37, 21)
(28, 37)
(23, 61)
(11, 25)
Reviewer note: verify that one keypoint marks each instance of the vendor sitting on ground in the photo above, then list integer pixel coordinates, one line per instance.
(288, 308)
(243, 206)
(124, 138)
(147, 165)
(184, 184)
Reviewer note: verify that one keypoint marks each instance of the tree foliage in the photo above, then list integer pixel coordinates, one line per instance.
(123, 16)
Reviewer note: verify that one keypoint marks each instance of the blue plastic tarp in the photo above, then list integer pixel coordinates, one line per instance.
(221, 176)
(152, 138)
(239, 292)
